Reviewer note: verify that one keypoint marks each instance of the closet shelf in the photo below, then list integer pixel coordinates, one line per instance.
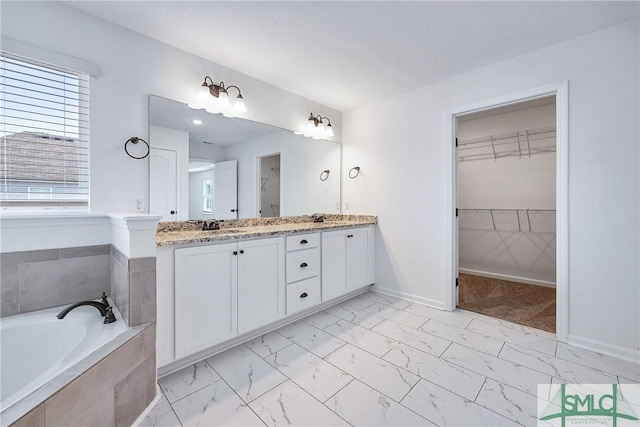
(518, 143)
(522, 220)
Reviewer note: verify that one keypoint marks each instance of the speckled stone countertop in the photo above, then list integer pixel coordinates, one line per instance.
(184, 232)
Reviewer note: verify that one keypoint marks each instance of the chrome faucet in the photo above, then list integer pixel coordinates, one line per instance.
(210, 225)
(103, 307)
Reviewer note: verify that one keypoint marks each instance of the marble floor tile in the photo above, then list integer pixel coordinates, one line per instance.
(161, 415)
(534, 331)
(317, 377)
(353, 315)
(268, 344)
(457, 318)
(509, 402)
(520, 337)
(413, 337)
(188, 380)
(361, 405)
(358, 302)
(396, 315)
(215, 405)
(321, 319)
(474, 340)
(501, 370)
(461, 381)
(247, 374)
(444, 408)
(567, 371)
(599, 361)
(313, 339)
(289, 405)
(489, 319)
(385, 299)
(373, 371)
(360, 337)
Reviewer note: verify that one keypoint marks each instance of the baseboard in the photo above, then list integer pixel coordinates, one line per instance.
(508, 277)
(409, 297)
(599, 347)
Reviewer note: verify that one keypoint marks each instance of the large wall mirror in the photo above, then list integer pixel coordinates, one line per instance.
(207, 166)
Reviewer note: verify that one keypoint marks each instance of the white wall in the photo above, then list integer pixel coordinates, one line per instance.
(195, 193)
(134, 66)
(302, 160)
(401, 145)
(512, 250)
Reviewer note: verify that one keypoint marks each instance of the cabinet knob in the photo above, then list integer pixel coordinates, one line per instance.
(241, 251)
(235, 252)
(303, 295)
(303, 242)
(303, 265)
(172, 212)
(234, 210)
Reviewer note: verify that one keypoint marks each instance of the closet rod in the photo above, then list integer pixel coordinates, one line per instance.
(516, 138)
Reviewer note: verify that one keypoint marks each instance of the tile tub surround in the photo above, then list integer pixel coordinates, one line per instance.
(183, 232)
(34, 280)
(360, 364)
(110, 387)
(133, 287)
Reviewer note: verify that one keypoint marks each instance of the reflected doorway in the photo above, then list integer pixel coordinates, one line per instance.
(269, 186)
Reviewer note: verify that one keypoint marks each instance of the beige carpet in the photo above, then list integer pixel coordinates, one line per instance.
(520, 303)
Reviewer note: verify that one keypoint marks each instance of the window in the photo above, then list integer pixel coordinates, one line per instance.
(44, 135)
(207, 196)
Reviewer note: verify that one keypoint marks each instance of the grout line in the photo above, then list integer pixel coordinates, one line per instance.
(338, 391)
(440, 355)
(501, 348)
(164, 396)
(481, 387)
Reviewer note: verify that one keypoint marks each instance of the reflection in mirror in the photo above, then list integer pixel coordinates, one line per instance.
(206, 166)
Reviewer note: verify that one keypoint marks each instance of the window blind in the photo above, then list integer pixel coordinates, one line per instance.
(44, 134)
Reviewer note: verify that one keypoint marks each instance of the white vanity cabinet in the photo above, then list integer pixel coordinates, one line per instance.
(303, 272)
(348, 261)
(224, 290)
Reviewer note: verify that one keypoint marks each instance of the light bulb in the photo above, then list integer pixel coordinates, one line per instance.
(204, 91)
(239, 106)
(223, 100)
(329, 131)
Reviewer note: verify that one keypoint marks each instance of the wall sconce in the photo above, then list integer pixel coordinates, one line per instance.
(220, 101)
(316, 128)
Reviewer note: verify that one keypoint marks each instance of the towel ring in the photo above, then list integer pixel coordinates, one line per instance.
(325, 175)
(135, 140)
(354, 175)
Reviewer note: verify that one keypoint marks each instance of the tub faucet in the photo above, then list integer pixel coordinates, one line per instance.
(103, 307)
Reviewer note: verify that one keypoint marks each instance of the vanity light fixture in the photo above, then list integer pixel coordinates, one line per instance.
(219, 101)
(317, 129)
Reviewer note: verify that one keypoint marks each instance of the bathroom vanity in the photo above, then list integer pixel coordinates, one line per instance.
(218, 288)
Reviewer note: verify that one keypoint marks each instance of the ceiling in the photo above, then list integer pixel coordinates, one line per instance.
(350, 53)
(215, 129)
(509, 108)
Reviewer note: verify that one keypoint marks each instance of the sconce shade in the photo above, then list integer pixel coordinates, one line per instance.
(217, 98)
(316, 128)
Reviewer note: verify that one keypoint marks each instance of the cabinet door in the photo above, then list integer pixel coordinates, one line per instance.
(334, 273)
(357, 258)
(261, 292)
(205, 297)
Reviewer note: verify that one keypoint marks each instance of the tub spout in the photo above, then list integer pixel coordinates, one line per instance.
(105, 310)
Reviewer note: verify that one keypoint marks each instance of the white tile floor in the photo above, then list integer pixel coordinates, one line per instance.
(378, 360)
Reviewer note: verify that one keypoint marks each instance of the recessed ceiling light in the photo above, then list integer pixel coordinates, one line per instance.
(196, 121)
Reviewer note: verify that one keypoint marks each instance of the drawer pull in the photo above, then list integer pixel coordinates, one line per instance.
(303, 242)
(235, 252)
(303, 295)
(241, 251)
(303, 265)
(349, 235)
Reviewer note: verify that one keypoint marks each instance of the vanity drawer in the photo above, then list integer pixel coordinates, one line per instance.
(302, 264)
(303, 241)
(303, 294)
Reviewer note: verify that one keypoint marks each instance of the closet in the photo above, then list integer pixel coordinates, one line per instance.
(506, 183)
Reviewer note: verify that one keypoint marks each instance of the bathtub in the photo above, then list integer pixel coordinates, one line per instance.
(37, 346)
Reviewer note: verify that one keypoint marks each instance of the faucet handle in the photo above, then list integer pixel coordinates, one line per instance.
(104, 299)
(109, 316)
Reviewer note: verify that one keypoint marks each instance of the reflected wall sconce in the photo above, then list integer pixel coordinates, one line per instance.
(354, 172)
(317, 129)
(325, 175)
(215, 97)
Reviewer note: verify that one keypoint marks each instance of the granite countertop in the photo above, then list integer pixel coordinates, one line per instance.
(184, 232)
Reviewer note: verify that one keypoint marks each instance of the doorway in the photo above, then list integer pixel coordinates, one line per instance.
(269, 186)
(511, 237)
